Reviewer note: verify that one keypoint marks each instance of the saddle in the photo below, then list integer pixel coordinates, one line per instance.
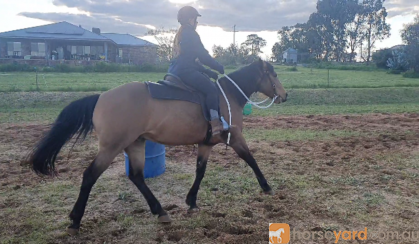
(173, 88)
(175, 81)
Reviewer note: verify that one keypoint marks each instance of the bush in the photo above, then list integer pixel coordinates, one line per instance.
(381, 56)
(47, 69)
(398, 63)
(101, 67)
(411, 74)
(293, 69)
(105, 67)
(359, 67)
(394, 72)
(16, 67)
(62, 68)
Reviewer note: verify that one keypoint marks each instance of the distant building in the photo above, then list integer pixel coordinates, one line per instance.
(132, 49)
(65, 41)
(290, 56)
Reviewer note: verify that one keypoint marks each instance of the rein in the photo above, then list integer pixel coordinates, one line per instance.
(256, 104)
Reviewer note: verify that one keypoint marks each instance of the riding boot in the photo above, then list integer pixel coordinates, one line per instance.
(216, 125)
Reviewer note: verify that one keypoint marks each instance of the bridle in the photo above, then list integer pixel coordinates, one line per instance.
(256, 104)
(266, 73)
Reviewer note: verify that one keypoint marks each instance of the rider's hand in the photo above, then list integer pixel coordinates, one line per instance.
(212, 74)
(221, 70)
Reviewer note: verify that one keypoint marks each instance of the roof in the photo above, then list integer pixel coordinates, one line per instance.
(398, 47)
(291, 50)
(127, 40)
(61, 30)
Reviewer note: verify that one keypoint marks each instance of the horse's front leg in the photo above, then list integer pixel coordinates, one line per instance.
(238, 143)
(201, 165)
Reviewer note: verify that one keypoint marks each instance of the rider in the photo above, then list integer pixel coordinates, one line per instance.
(187, 49)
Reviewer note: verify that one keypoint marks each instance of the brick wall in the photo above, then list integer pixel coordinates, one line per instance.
(112, 53)
(139, 55)
(26, 48)
(3, 48)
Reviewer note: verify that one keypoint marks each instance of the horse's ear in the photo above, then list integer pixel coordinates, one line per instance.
(261, 63)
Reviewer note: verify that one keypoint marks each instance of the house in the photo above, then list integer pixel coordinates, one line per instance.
(290, 56)
(131, 49)
(64, 41)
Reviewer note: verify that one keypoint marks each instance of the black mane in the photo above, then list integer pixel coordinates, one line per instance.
(246, 78)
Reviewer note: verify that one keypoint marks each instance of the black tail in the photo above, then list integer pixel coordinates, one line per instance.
(76, 118)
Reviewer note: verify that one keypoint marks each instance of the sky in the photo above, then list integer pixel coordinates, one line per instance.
(262, 17)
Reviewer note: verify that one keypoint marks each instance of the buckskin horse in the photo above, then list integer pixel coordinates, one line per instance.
(128, 115)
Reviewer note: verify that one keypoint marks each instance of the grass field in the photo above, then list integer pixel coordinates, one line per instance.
(33, 106)
(303, 78)
(339, 159)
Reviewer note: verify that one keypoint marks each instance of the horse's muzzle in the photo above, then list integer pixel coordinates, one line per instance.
(280, 99)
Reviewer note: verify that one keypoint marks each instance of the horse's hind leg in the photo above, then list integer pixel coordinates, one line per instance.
(201, 165)
(91, 174)
(136, 155)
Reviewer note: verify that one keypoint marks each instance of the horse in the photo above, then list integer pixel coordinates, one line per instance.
(126, 116)
(276, 234)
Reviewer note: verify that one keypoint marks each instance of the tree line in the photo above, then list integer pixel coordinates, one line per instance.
(336, 31)
(339, 30)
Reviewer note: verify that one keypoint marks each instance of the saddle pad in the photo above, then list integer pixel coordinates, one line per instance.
(164, 92)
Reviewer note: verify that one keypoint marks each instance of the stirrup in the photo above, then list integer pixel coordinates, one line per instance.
(225, 124)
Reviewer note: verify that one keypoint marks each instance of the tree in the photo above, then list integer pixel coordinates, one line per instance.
(410, 36)
(165, 40)
(218, 51)
(375, 27)
(330, 21)
(380, 57)
(354, 31)
(233, 49)
(254, 43)
(301, 37)
(277, 51)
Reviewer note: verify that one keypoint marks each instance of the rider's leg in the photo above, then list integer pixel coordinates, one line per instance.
(203, 84)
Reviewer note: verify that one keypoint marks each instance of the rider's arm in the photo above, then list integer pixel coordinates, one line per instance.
(191, 42)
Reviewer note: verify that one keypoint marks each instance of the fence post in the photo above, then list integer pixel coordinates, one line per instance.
(36, 71)
(328, 78)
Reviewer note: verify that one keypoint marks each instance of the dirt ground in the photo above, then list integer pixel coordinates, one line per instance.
(330, 184)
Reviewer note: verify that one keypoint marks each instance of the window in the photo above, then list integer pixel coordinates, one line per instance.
(86, 50)
(14, 48)
(37, 49)
(81, 50)
(120, 52)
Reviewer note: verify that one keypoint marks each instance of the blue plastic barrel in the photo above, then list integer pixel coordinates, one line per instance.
(155, 160)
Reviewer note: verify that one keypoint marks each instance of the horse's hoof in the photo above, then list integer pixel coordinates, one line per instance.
(72, 231)
(270, 192)
(165, 219)
(193, 210)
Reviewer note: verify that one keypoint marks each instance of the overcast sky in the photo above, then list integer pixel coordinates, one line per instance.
(263, 17)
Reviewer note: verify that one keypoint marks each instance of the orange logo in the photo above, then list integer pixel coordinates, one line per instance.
(279, 233)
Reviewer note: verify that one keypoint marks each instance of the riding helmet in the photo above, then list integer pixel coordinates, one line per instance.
(186, 13)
